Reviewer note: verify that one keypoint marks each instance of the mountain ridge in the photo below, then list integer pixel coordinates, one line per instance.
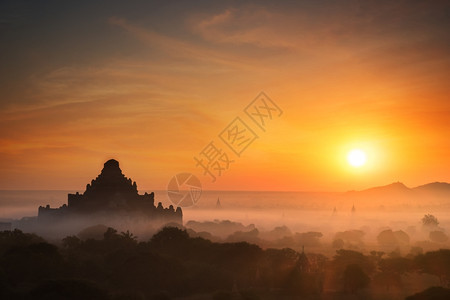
(401, 187)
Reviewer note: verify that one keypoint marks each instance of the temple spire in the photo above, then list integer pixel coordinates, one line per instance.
(218, 205)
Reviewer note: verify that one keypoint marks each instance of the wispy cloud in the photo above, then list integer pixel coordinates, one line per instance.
(160, 83)
(175, 47)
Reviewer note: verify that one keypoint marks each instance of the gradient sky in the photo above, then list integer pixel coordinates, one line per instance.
(151, 83)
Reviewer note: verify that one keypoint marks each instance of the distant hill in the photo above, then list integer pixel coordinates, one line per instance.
(434, 187)
(398, 194)
(399, 187)
(428, 197)
(396, 187)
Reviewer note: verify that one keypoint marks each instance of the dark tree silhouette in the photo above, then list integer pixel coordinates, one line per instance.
(275, 266)
(68, 290)
(432, 293)
(343, 258)
(355, 278)
(17, 238)
(430, 221)
(173, 264)
(71, 242)
(436, 263)
(391, 270)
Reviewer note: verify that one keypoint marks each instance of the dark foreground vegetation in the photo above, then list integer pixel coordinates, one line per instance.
(173, 265)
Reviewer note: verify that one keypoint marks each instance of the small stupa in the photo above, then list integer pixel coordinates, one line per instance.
(218, 205)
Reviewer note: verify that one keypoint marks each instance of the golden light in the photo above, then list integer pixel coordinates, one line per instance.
(356, 158)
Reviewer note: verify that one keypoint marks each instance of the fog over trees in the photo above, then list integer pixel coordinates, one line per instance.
(233, 261)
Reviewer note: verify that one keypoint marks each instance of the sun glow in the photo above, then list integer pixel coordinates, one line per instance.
(356, 158)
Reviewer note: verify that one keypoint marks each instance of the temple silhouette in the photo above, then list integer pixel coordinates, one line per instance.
(111, 194)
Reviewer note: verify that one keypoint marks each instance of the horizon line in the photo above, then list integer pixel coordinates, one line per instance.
(283, 191)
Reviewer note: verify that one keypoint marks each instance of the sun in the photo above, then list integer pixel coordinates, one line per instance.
(356, 158)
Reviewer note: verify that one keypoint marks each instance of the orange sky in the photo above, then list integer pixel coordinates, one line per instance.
(151, 84)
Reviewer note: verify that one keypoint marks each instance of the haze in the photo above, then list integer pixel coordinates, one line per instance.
(158, 81)
(224, 150)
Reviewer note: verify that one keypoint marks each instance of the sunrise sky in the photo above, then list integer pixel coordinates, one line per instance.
(151, 83)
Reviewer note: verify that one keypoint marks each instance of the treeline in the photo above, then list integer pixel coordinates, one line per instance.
(173, 264)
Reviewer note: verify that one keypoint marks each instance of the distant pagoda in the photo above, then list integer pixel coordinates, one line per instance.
(218, 205)
(303, 265)
(111, 194)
